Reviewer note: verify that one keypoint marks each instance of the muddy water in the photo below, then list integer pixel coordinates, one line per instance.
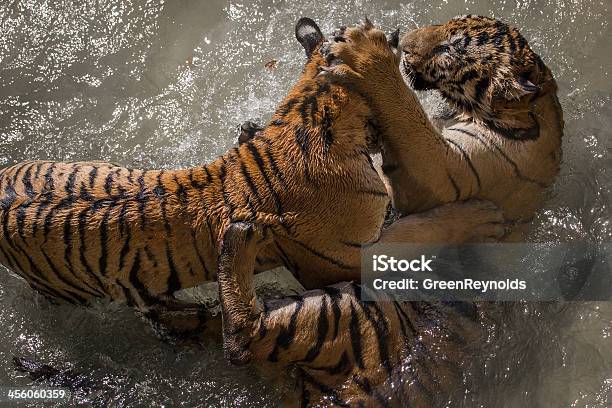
(164, 84)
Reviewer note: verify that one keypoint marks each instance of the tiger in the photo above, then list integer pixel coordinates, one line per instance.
(84, 230)
(504, 143)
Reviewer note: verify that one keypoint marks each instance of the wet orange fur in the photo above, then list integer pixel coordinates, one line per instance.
(76, 231)
(496, 157)
(353, 353)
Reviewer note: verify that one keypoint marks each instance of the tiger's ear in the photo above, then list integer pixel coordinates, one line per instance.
(308, 34)
(513, 87)
(394, 40)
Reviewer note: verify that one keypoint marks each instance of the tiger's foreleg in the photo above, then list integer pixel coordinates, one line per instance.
(422, 169)
(455, 223)
(262, 332)
(239, 306)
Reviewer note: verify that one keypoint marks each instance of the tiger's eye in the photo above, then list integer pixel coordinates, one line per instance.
(440, 49)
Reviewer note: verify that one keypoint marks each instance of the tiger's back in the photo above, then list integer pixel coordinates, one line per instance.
(82, 230)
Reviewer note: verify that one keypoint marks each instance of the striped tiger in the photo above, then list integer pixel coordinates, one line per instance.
(84, 230)
(346, 352)
(503, 143)
(504, 146)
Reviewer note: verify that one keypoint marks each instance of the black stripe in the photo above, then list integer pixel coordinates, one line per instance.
(199, 255)
(491, 143)
(63, 204)
(250, 206)
(480, 88)
(38, 169)
(455, 186)
(160, 192)
(335, 297)
(468, 160)
(142, 198)
(399, 308)
(327, 135)
(66, 202)
(382, 332)
(150, 256)
(265, 314)
(103, 260)
(5, 204)
(322, 328)
(13, 258)
(73, 290)
(108, 183)
(142, 290)
(274, 167)
(302, 139)
(3, 171)
(84, 195)
(183, 201)
(21, 209)
(250, 184)
(286, 107)
(125, 249)
(286, 335)
(48, 194)
(355, 332)
(261, 166)
(82, 225)
(67, 235)
(207, 174)
(173, 284)
(181, 194)
(93, 173)
(226, 200)
(373, 192)
(123, 226)
(482, 38)
(194, 183)
(50, 293)
(26, 180)
(69, 187)
(351, 244)
(402, 323)
(321, 255)
(20, 167)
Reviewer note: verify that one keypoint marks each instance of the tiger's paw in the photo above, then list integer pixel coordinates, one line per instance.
(471, 221)
(361, 56)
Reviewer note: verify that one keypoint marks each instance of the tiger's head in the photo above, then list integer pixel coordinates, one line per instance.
(482, 66)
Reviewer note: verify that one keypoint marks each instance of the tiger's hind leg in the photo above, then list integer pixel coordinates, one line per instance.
(177, 320)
